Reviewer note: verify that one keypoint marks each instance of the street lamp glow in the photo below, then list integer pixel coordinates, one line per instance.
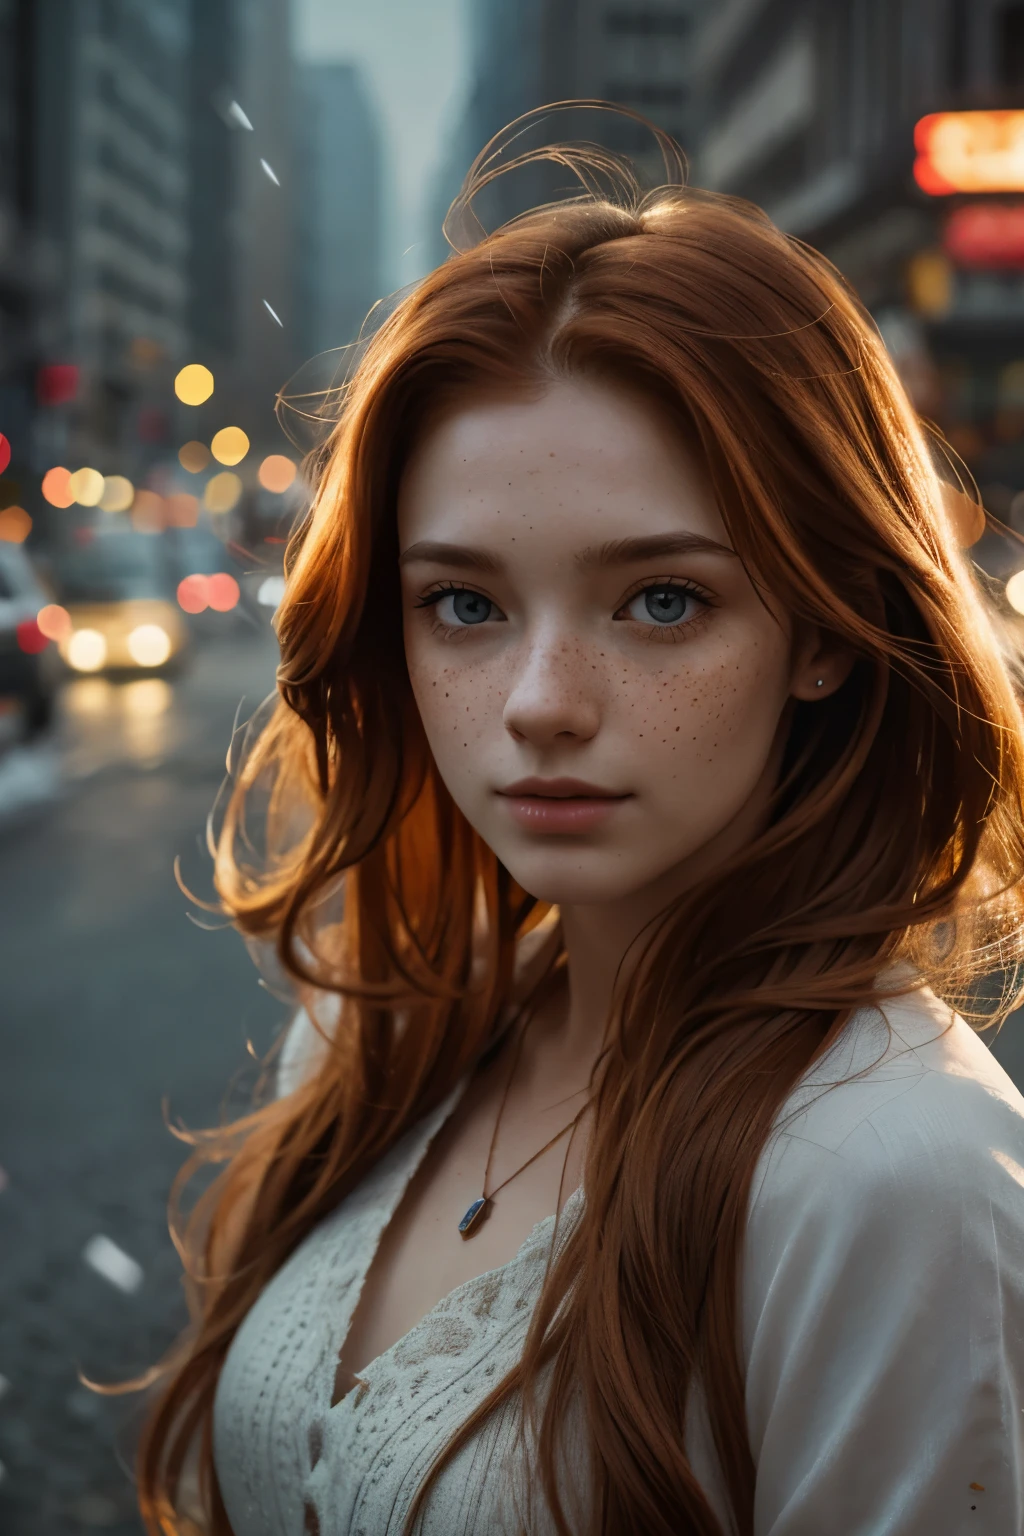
(276, 473)
(193, 456)
(117, 495)
(193, 384)
(86, 485)
(230, 445)
(222, 492)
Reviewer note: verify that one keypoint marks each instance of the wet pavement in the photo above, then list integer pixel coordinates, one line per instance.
(112, 1000)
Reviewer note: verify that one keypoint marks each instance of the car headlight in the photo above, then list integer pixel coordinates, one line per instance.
(149, 645)
(86, 650)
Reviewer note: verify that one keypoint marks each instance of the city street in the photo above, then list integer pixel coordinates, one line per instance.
(113, 999)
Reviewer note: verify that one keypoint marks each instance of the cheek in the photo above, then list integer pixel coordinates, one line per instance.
(718, 715)
(459, 705)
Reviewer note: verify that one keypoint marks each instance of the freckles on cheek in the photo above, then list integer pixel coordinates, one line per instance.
(696, 713)
(457, 706)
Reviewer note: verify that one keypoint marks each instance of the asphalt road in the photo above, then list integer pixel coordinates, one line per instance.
(112, 999)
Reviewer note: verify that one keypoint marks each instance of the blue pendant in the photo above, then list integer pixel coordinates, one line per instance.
(474, 1217)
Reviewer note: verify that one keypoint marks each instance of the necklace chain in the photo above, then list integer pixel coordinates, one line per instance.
(480, 1208)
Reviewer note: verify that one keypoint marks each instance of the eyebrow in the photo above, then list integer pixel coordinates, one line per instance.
(655, 546)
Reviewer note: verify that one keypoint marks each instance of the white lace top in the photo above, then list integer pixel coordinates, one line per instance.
(882, 1311)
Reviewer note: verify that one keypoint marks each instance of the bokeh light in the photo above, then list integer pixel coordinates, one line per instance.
(5, 453)
(30, 637)
(182, 510)
(86, 650)
(86, 486)
(222, 492)
(222, 592)
(149, 645)
(54, 621)
(57, 487)
(276, 473)
(193, 384)
(271, 591)
(148, 512)
(192, 596)
(15, 525)
(193, 456)
(117, 494)
(1015, 591)
(147, 697)
(230, 445)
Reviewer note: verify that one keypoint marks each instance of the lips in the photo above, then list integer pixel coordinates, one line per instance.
(560, 789)
(560, 806)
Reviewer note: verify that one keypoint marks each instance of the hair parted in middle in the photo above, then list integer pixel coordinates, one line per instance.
(895, 833)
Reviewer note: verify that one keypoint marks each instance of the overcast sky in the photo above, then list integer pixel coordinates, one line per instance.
(414, 55)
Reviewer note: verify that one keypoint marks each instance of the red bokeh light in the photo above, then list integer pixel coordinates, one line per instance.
(192, 594)
(5, 453)
(986, 235)
(31, 639)
(222, 592)
(57, 383)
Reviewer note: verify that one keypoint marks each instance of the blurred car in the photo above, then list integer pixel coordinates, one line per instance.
(28, 674)
(119, 595)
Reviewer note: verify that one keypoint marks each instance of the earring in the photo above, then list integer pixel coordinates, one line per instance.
(820, 683)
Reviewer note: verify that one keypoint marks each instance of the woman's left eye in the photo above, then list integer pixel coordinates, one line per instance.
(664, 605)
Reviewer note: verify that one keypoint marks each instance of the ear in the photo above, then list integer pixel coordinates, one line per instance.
(821, 663)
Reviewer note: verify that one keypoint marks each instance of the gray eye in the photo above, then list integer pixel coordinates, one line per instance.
(469, 607)
(660, 605)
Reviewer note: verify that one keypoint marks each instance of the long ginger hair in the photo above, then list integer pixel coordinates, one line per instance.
(896, 831)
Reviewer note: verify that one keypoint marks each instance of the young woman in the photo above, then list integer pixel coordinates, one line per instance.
(647, 777)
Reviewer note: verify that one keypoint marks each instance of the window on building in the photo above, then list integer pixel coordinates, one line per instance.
(1009, 41)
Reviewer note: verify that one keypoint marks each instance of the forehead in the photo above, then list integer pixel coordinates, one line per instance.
(580, 460)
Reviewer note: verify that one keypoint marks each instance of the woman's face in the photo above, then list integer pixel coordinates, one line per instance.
(600, 684)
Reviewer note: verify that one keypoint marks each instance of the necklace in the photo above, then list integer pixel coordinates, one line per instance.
(480, 1209)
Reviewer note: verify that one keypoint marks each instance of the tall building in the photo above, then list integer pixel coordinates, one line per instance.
(110, 195)
(338, 219)
(530, 53)
(810, 109)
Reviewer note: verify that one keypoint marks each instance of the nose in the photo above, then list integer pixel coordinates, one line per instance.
(553, 695)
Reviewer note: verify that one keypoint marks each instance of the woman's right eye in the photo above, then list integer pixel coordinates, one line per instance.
(463, 607)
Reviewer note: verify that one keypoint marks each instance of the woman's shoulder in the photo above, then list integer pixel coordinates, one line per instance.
(909, 1103)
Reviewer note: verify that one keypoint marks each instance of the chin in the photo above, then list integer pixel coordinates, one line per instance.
(577, 877)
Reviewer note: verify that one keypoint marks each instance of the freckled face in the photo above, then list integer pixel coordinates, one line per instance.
(599, 683)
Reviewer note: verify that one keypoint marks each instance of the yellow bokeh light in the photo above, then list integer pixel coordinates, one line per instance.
(1015, 592)
(193, 384)
(230, 445)
(194, 457)
(149, 645)
(15, 525)
(86, 650)
(117, 494)
(222, 492)
(276, 473)
(86, 486)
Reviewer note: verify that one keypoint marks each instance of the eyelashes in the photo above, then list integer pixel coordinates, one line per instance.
(665, 609)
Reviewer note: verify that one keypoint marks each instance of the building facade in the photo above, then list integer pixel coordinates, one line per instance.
(339, 175)
(809, 108)
(531, 53)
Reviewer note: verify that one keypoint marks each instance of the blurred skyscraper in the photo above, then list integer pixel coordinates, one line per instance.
(528, 53)
(339, 180)
(811, 110)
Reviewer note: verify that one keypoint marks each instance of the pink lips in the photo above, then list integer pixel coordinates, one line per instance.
(560, 805)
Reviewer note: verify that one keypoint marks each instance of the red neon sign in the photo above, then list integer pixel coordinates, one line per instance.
(970, 152)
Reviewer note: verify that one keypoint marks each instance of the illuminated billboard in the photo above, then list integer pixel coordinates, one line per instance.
(970, 152)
